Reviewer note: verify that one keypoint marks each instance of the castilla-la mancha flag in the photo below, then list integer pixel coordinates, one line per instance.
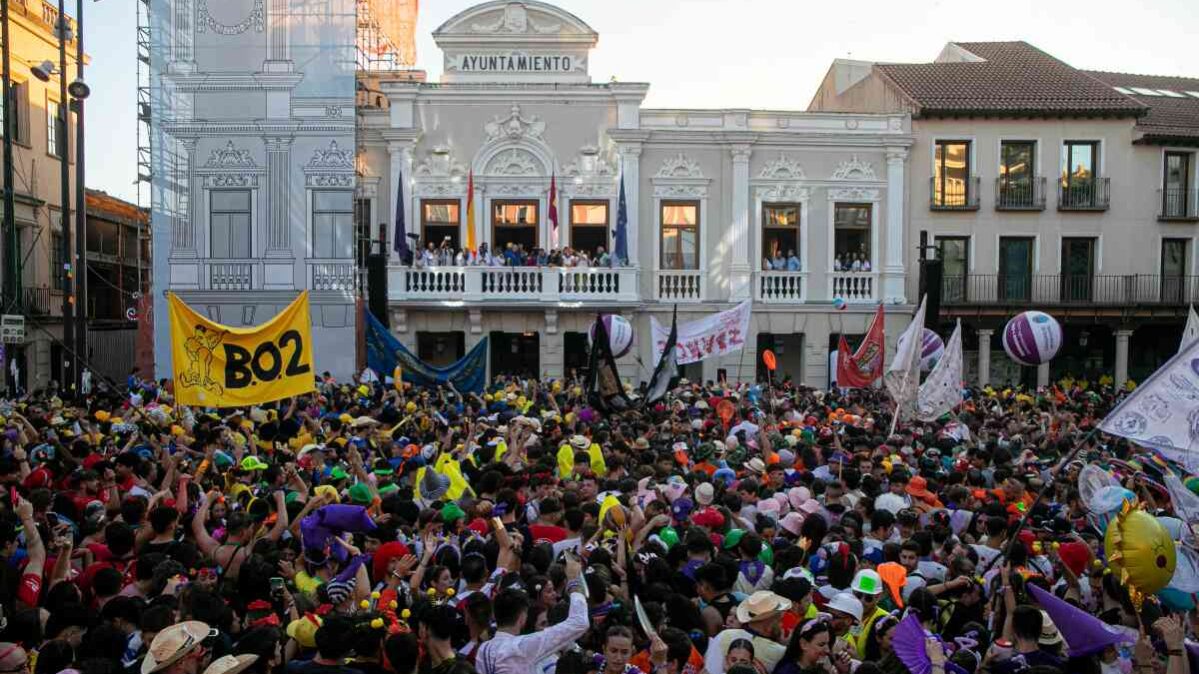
(864, 366)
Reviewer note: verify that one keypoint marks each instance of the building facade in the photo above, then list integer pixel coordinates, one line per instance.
(710, 196)
(118, 267)
(1041, 186)
(253, 165)
(38, 133)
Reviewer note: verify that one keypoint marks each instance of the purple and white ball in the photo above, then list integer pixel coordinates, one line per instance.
(620, 334)
(1032, 338)
(932, 347)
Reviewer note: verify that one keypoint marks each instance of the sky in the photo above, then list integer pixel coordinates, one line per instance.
(765, 54)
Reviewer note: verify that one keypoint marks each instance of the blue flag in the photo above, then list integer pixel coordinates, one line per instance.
(620, 249)
(401, 232)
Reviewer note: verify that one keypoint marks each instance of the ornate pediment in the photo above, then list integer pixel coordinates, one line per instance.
(529, 18)
(783, 193)
(853, 194)
(589, 164)
(440, 163)
(782, 168)
(681, 166)
(332, 158)
(514, 126)
(230, 156)
(681, 191)
(854, 169)
(513, 162)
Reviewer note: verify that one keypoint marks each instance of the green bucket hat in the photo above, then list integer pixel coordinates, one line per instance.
(451, 512)
(338, 473)
(360, 494)
(733, 538)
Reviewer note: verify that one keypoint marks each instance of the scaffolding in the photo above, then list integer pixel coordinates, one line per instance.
(386, 34)
(144, 173)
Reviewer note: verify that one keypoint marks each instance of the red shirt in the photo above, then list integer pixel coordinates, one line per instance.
(547, 532)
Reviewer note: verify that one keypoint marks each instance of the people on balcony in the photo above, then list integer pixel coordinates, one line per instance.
(516, 255)
(851, 262)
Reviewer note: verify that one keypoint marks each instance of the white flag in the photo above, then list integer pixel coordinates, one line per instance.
(903, 377)
(942, 391)
(1163, 412)
(1191, 331)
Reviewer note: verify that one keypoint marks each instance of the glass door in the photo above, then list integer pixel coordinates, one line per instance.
(1177, 180)
(1015, 268)
(955, 264)
(1015, 174)
(1174, 270)
(1078, 269)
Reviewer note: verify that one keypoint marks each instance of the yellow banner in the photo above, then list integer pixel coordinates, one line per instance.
(220, 366)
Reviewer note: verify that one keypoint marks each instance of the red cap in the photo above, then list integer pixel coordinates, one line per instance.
(708, 517)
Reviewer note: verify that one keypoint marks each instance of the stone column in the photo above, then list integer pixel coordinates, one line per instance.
(183, 243)
(1122, 339)
(1043, 374)
(894, 285)
(984, 357)
(183, 58)
(278, 196)
(630, 170)
(739, 269)
(400, 155)
(278, 52)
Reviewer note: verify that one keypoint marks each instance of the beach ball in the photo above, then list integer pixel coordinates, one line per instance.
(1140, 551)
(1032, 338)
(840, 304)
(620, 334)
(932, 347)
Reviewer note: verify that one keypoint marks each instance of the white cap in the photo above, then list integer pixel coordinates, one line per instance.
(867, 581)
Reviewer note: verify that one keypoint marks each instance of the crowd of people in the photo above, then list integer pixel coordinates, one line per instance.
(371, 529)
(512, 255)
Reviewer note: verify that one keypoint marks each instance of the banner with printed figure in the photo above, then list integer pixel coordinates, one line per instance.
(713, 335)
(220, 366)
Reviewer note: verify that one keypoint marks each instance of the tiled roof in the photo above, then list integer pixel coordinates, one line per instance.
(1169, 115)
(1012, 78)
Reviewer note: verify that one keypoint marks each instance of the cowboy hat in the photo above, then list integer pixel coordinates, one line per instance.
(761, 605)
(580, 442)
(174, 643)
(231, 664)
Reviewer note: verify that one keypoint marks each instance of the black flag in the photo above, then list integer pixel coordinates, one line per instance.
(667, 369)
(603, 380)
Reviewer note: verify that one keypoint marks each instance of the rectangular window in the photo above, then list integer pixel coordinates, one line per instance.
(229, 224)
(362, 230)
(441, 219)
(16, 122)
(1174, 269)
(780, 237)
(1015, 267)
(333, 224)
(589, 227)
(514, 222)
(951, 174)
(852, 237)
(1078, 268)
(56, 260)
(56, 130)
(1080, 185)
(680, 234)
(1176, 186)
(1016, 161)
(955, 266)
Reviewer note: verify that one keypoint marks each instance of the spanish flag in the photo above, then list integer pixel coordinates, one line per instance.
(470, 212)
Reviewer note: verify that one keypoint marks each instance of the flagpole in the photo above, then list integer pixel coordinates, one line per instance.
(1036, 501)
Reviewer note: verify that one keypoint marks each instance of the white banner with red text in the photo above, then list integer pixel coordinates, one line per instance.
(714, 335)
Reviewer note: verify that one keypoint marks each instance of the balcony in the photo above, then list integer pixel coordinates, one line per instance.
(1027, 194)
(957, 195)
(230, 275)
(681, 285)
(1069, 290)
(1084, 194)
(855, 287)
(332, 276)
(514, 285)
(1176, 204)
(781, 287)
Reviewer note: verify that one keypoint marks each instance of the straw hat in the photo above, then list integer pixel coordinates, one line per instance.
(174, 643)
(231, 664)
(761, 605)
